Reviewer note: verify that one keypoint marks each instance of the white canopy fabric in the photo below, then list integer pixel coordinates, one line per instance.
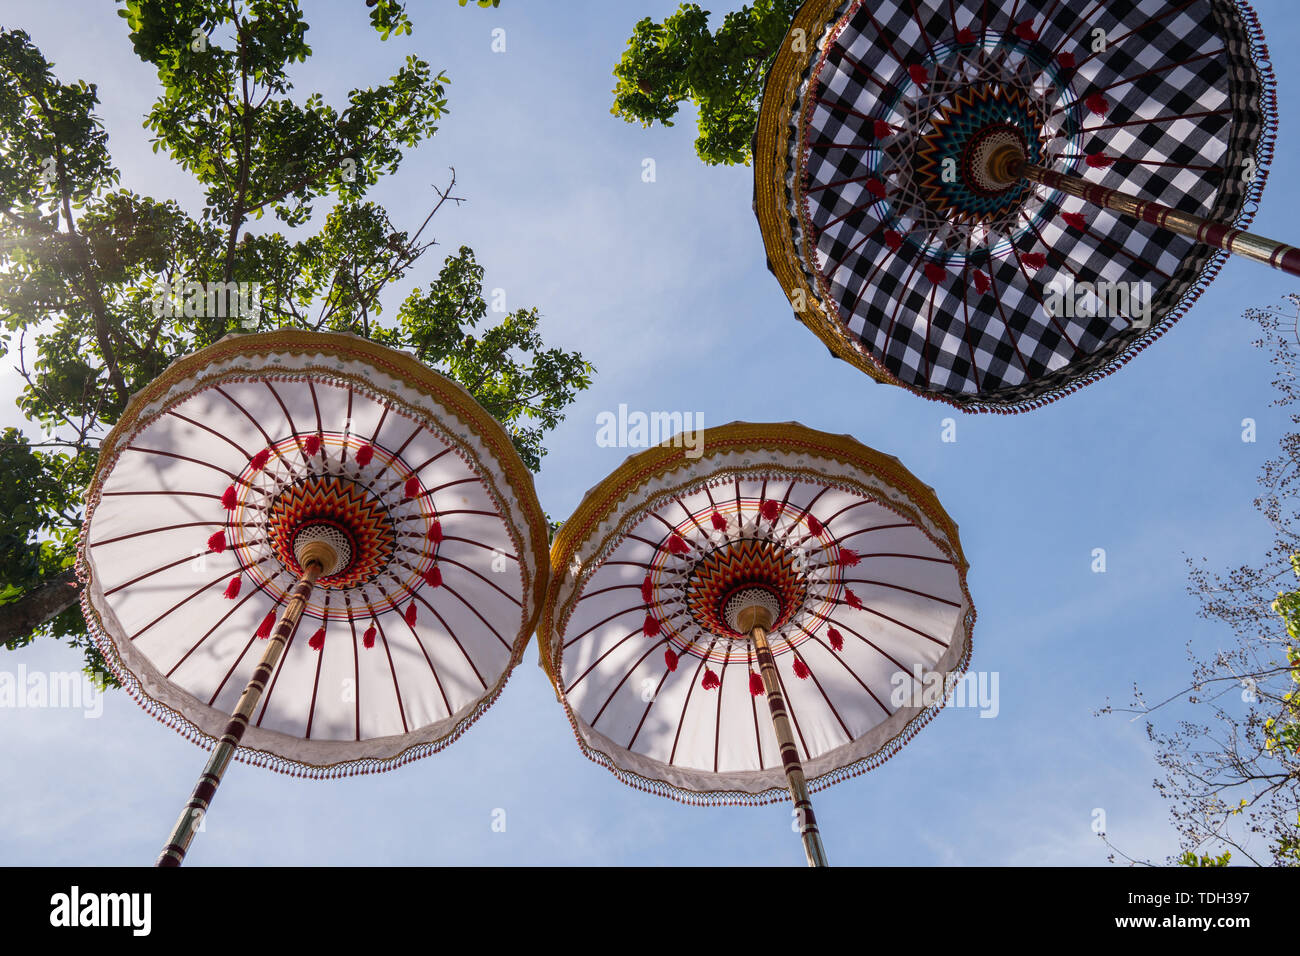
(187, 550)
(867, 581)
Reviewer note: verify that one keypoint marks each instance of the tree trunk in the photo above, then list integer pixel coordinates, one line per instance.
(33, 609)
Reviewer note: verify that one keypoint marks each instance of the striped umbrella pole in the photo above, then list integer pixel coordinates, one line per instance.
(1008, 165)
(314, 558)
(760, 620)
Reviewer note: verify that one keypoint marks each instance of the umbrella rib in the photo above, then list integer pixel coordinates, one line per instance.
(899, 587)
(293, 429)
(401, 708)
(805, 512)
(492, 584)
(194, 461)
(225, 617)
(1011, 335)
(451, 590)
(1081, 21)
(596, 663)
(279, 669)
(420, 644)
(315, 407)
(1138, 29)
(877, 527)
(163, 491)
(646, 713)
(180, 604)
(168, 567)
(789, 706)
(398, 454)
(320, 656)
(848, 734)
(468, 659)
(636, 607)
(717, 717)
(612, 587)
(686, 704)
(845, 664)
(1114, 247)
(258, 425)
(170, 527)
(1138, 76)
(1141, 121)
(917, 631)
(965, 309)
(419, 468)
(1039, 299)
(356, 652)
(208, 428)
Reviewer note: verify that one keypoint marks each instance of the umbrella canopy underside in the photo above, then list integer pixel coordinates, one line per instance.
(869, 592)
(188, 554)
(1004, 302)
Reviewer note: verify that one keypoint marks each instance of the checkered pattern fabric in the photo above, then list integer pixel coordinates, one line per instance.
(1186, 112)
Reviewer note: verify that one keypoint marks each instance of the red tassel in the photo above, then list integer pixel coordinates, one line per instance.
(258, 461)
(364, 454)
(229, 499)
(876, 188)
(710, 681)
(882, 129)
(410, 614)
(412, 489)
(433, 577)
(935, 272)
(1097, 104)
(1027, 32)
(981, 282)
(317, 640)
(651, 626)
(677, 544)
(435, 532)
(1076, 220)
(770, 510)
(801, 670)
(756, 684)
(853, 599)
(268, 622)
(368, 638)
(1099, 160)
(965, 35)
(311, 445)
(837, 639)
(893, 239)
(719, 522)
(217, 542)
(232, 589)
(815, 526)
(1035, 260)
(1066, 60)
(848, 558)
(918, 74)
(647, 589)
(670, 659)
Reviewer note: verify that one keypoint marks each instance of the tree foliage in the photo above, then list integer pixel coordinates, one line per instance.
(89, 271)
(721, 72)
(1232, 767)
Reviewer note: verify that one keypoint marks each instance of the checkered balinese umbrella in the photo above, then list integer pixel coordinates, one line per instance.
(320, 536)
(782, 570)
(993, 204)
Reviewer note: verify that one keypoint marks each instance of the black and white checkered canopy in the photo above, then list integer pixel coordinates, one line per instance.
(874, 116)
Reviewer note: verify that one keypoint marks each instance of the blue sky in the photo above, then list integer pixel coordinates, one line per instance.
(663, 287)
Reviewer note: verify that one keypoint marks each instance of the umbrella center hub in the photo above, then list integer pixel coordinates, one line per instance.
(743, 574)
(950, 171)
(343, 514)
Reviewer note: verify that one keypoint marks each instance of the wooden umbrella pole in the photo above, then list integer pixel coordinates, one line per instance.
(1008, 165)
(812, 839)
(173, 853)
